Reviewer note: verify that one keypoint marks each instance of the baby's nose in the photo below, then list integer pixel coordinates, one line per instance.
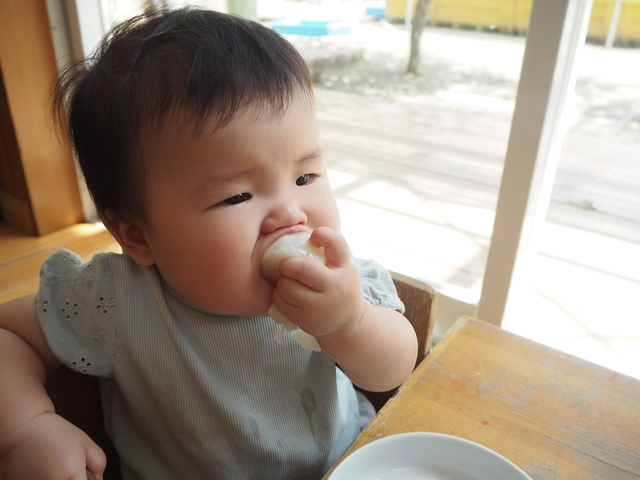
(284, 214)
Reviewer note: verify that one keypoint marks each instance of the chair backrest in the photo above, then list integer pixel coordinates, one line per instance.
(77, 396)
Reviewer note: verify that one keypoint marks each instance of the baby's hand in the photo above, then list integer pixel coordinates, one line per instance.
(49, 448)
(321, 299)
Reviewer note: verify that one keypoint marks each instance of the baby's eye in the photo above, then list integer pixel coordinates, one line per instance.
(305, 179)
(236, 199)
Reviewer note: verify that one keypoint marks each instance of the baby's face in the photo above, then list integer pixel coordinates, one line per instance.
(215, 202)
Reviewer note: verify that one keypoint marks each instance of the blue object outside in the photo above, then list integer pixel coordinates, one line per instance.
(312, 28)
(376, 11)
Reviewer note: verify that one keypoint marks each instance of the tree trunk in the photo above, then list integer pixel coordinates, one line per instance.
(419, 21)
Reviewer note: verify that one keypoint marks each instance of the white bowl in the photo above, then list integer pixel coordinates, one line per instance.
(426, 456)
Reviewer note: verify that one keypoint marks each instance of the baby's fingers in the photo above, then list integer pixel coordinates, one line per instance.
(335, 246)
(91, 476)
(96, 461)
(311, 274)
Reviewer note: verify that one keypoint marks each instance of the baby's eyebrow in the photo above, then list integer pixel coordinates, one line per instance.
(312, 155)
(210, 182)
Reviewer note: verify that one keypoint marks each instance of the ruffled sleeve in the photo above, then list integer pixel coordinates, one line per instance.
(77, 311)
(377, 285)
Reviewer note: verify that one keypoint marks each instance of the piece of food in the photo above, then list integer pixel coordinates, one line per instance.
(300, 336)
(294, 245)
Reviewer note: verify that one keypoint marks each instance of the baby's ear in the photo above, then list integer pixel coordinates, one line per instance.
(131, 238)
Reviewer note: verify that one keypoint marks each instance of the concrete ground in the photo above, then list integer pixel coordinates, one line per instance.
(416, 165)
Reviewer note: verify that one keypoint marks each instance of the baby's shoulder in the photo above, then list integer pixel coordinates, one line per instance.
(66, 268)
(67, 262)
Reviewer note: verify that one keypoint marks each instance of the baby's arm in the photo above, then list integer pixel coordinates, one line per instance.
(377, 353)
(34, 441)
(375, 346)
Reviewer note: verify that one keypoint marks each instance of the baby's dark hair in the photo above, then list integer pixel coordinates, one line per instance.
(202, 65)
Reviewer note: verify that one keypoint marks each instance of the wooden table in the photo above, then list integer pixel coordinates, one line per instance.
(554, 415)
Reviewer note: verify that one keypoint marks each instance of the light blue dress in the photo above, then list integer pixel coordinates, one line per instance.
(189, 394)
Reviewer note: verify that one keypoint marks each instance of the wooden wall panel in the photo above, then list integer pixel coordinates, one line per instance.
(27, 65)
(15, 206)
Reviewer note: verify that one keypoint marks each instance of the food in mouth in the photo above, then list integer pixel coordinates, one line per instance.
(293, 245)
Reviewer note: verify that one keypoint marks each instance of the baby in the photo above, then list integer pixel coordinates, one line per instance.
(197, 137)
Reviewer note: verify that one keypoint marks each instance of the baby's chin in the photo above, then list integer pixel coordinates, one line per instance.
(234, 311)
(243, 299)
(240, 306)
(252, 306)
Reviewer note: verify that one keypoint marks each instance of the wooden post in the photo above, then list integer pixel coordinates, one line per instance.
(557, 32)
(38, 185)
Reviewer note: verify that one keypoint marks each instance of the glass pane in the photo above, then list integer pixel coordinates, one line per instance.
(587, 278)
(417, 160)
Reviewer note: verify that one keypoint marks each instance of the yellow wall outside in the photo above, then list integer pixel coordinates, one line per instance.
(513, 15)
(628, 25)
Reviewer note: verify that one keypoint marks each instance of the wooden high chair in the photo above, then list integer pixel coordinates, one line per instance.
(77, 396)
